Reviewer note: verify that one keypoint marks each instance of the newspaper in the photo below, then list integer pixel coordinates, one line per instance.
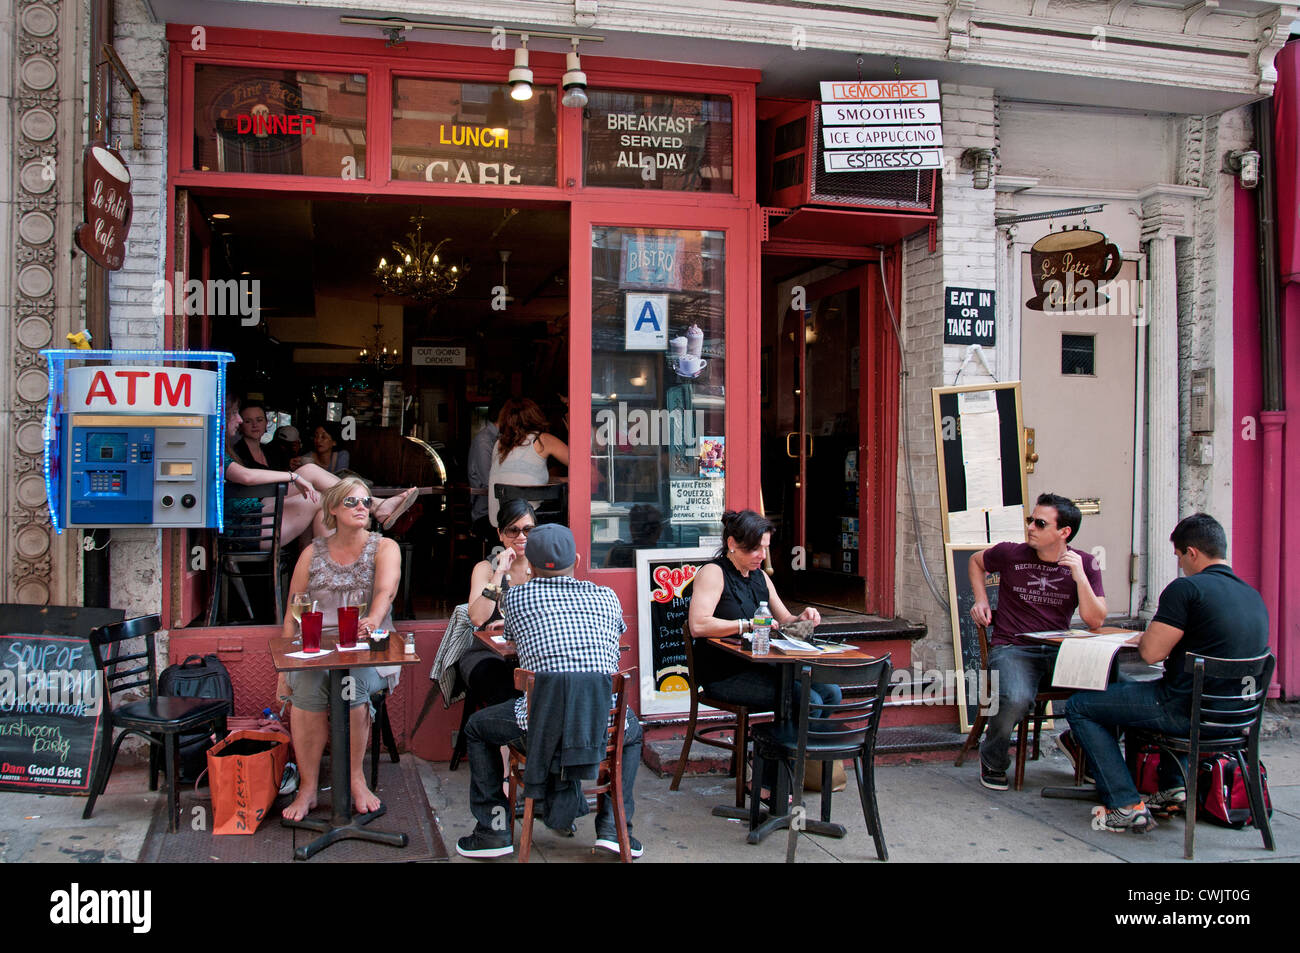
(1085, 662)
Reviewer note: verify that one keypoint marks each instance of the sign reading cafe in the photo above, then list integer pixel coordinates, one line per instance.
(108, 207)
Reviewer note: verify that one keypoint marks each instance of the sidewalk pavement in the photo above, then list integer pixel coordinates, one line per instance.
(931, 813)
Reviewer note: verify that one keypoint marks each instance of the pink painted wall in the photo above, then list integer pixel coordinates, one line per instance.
(1247, 396)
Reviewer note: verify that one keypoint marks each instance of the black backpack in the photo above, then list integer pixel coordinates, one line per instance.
(197, 677)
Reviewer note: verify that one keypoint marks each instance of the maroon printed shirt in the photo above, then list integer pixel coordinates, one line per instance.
(1034, 596)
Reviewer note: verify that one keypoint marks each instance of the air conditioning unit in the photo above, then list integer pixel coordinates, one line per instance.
(796, 176)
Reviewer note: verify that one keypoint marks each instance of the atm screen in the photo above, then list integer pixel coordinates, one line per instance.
(106, 446)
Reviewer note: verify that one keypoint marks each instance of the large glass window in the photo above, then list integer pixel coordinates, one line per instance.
(471, 134)
(289, 122)
(659, 448)
(666, 141)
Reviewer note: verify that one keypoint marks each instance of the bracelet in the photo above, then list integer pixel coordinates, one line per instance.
(740, 627)
(492, 592)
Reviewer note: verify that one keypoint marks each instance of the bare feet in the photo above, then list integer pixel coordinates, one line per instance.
(302, 805)
(363, 799)
(393, 507)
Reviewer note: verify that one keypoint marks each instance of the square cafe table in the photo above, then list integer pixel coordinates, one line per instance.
(341, 825)
(788, 662)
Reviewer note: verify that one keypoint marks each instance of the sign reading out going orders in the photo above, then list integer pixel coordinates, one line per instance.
(881, 126)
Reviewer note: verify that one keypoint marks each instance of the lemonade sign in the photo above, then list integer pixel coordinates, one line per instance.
(664, 578)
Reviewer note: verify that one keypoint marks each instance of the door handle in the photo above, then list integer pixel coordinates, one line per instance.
(793, 434)
(1031, 454)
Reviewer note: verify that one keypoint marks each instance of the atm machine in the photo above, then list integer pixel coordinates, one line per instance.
(135, 444)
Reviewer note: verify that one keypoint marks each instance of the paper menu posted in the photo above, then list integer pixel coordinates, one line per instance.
(1085, 663)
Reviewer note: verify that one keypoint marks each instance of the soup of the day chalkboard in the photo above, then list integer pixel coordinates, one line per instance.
(51, 713)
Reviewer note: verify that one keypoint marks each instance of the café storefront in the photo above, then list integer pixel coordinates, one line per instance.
(665, 330)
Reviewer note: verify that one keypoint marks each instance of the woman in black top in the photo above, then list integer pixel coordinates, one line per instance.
(726, 594)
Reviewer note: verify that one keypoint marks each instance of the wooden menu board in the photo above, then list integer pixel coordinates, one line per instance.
(663, 599)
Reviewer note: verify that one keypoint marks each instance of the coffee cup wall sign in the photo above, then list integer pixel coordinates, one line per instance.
(108, 206)
(1069, 267)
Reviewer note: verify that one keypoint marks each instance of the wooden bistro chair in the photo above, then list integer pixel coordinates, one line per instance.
(709, 735)
(159, 720)
(609, 776)
(249, 548)
(1221, 724)
(849, 732)
(1037, 714)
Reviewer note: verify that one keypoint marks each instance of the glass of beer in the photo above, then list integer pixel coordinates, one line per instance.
(299, 603)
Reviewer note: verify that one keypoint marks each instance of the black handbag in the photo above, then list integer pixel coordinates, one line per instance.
(199, 676)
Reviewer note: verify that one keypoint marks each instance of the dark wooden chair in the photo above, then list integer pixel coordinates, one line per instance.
(550, 500)
(609, 778)
(847, 730)
(710, 734)
(1036, 715)
(159, 720)
(249, 548)
(1220, 724)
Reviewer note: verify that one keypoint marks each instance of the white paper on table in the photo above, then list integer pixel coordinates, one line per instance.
(307, 655)
(359, 647)
(793, 645)
(1085, 663)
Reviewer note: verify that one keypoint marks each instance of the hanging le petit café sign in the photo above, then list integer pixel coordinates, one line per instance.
(102, 236)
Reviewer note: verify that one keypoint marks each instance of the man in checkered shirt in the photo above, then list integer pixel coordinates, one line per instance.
(559, 624)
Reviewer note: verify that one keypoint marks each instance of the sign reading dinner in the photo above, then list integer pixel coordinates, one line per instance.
(662, 141)
(881, 126)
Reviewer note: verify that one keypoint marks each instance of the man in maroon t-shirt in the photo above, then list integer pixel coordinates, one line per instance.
(1042, 582)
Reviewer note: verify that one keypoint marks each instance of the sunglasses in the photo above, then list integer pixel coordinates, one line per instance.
(1031, 521)
(353, 501)
(514, 532)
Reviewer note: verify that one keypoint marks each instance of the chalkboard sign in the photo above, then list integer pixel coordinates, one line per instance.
(51, 713)
(663, 598)
(965, 638)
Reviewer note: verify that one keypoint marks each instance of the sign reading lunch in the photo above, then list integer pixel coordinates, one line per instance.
(881, 126)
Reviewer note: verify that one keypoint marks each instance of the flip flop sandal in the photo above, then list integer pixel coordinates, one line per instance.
(412, 495)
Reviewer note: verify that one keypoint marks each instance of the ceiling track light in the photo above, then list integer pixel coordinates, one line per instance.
(574, 82)
(521, 77)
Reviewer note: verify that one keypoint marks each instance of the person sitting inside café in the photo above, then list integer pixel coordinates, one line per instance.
(1042, 582)
(1208, 611)
(350, 560)
(559, 624)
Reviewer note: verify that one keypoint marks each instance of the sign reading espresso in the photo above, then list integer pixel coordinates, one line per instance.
(1068, 269)
(108, 207)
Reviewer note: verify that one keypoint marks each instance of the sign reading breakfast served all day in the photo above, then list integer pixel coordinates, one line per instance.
(881, 126)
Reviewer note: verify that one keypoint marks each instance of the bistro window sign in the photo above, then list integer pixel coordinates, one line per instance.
(666, 141)
(283, 122)
(471, 134)
(881, 126)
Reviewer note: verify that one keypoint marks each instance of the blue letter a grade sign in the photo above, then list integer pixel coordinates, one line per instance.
(647, 322)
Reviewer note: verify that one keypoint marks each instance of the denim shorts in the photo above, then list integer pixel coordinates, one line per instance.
(309, 690)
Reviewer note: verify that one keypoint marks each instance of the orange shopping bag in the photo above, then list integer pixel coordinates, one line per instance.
(244, 771)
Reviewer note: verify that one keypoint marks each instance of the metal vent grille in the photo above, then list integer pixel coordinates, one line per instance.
(900, 190)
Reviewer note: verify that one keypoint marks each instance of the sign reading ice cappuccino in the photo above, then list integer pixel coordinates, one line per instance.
(108, 207)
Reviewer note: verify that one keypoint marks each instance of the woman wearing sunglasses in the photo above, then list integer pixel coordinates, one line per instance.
(302, 509)
(349, 561)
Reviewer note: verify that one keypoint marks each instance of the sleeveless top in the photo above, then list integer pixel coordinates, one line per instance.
(523, 466)
(328, 582)
(739, 600)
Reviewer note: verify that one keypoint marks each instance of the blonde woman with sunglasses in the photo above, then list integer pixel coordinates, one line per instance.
(353, 563)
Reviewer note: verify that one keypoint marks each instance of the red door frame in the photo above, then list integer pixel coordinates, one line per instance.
(735, 213)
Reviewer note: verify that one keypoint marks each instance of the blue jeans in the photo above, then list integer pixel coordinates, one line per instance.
(1096, 718)
(490, 728)
(1019, 670)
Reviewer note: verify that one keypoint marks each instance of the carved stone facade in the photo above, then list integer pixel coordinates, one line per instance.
(42, 83)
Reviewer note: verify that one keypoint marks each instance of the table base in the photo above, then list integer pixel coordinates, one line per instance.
(332, 832)
(781, 822)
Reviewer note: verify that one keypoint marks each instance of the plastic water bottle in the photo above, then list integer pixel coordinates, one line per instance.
(270, 715)
(762, 629)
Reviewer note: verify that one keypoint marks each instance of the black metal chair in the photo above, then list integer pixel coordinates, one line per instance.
(738, 729)
(849, 732)
(1220, 724)
(249, 548)
(381, 735)
(550, 500)
(159, 720)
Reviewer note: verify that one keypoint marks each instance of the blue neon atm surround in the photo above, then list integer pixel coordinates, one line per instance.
(125, 466)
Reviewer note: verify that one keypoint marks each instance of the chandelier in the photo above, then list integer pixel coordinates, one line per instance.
(418, 272)
(375, 352)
